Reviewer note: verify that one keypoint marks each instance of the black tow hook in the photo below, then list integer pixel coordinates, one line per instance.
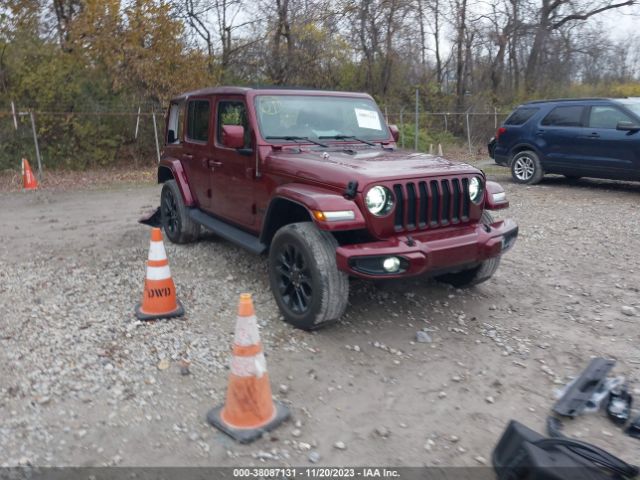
(351, 190)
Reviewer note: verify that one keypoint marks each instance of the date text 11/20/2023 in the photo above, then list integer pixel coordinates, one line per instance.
(317, 472)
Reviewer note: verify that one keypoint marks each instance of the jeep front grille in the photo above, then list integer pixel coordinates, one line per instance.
(431, 203)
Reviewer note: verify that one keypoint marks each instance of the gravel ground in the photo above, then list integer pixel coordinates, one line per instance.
(82, 382)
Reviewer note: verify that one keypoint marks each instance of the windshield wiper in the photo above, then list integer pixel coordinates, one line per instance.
(296, 139)
(348, 137)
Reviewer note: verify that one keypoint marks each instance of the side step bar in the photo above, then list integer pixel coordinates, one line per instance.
(228, 232)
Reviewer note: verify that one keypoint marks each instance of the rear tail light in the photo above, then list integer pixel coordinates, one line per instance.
(499, 132)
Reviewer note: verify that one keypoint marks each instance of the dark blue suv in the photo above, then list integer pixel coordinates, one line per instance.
(587, 137)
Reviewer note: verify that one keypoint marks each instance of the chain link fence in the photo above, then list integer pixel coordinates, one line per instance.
(109, 135)
(471, 129)
(77, 140)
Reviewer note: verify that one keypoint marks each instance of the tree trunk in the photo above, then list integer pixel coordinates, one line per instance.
(460, 53)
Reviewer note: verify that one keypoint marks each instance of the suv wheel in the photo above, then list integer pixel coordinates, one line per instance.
(176, 222)
(476, 275)
(306, 283)
(526, 168)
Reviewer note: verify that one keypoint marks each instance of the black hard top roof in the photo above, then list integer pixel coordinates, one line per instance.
(224, 90)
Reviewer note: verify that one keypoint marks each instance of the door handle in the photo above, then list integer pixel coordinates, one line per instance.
(213, 163)
(188, 156)
(594, 135)
(540, 132)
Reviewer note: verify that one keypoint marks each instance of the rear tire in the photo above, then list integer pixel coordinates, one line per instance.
(308, 287)
(476, 275)
(526, 168)
(176, 222)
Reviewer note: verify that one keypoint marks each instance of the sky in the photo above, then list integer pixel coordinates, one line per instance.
(623, 22)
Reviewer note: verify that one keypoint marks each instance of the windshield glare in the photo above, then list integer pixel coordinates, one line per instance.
(319, 117)
(633, 105)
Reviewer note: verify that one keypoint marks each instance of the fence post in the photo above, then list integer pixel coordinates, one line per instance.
(468, 132)
(35, 142)
(417, 120)
(137, 123)
(15, 117)
(155, 131)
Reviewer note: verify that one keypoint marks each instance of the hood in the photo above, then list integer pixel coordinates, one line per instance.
(339, 167)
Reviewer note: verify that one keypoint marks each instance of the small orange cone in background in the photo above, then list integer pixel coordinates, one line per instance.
(159, 297)
(249, 410)
(29, 181)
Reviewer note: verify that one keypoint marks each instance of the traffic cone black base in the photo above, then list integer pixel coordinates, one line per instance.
(178, 312)
(248, 435)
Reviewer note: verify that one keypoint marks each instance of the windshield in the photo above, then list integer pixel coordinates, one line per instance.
(633, 105)
(285, 117)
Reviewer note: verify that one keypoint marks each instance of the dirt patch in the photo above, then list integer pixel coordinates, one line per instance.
(79, 377)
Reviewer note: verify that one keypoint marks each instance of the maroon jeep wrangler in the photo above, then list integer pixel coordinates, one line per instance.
(315, 179)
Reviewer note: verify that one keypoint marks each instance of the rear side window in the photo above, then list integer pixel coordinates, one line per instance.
(198, 120)
(521, 116)
(566, 116)
(607, 117)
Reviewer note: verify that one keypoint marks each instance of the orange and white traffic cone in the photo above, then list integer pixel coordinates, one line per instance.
(29, 181)
(249, 410)
(159, 297)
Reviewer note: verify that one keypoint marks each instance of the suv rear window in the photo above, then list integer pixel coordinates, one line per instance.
(566, 116)
(198, 120)
(521, 116)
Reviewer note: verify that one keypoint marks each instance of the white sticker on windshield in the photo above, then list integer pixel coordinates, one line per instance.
(368, 119)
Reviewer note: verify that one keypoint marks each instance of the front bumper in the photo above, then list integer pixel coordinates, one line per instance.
(430, 252)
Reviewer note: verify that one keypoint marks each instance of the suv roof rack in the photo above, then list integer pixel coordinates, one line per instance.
(571, 99)
(580, 99)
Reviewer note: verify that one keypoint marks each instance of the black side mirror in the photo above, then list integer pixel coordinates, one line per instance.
(627, 127)
(171, 136)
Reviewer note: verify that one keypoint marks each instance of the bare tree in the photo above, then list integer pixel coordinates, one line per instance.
(195, 15)
(552, 15)
(459, 13)
(65, 12)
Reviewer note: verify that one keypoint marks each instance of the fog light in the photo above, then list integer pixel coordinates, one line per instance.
(391, 264)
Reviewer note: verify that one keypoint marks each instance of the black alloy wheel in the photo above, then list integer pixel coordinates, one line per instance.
(176, 222)
(294, 282)
(308, 287)
(169, 210)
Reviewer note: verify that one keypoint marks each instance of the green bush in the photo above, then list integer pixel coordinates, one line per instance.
(425, 137)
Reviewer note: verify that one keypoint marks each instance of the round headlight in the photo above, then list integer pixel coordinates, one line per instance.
(379, 200)
(476, 190)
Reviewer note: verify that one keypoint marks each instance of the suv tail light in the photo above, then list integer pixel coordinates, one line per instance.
(499, 132)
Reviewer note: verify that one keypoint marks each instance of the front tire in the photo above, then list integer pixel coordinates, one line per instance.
(308, 287)
(526, 168)
(476, 275)
(176, 222)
